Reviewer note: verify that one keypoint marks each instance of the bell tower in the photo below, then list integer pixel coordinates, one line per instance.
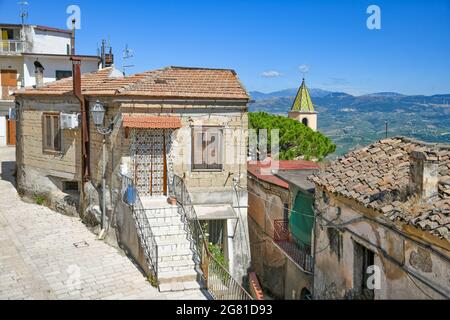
(303, 109)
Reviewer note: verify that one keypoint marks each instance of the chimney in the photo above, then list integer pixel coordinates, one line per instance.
(424, 174)
(39, 74)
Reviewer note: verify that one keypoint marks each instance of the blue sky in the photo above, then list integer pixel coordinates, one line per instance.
(410, 54)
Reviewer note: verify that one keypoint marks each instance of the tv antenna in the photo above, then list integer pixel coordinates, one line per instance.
(127, 54)
(23, 11)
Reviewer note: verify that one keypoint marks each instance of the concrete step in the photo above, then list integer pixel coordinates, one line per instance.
(180, 286)
(167, 230)
(173, 277)
(173, 245)
(173, 269)
(174, 237)
(164, 220)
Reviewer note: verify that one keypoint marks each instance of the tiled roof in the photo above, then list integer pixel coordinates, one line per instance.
(303, 100)
(170, 82)
(378, 177)
(143, 121)
(263, 171)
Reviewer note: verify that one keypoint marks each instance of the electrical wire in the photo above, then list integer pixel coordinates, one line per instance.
(271, 202)
(418, 287)
(389, 257)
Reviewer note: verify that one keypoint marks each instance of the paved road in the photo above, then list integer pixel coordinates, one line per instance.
(38, 258)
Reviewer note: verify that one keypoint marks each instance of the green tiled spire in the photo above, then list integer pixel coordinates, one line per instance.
(303, 100)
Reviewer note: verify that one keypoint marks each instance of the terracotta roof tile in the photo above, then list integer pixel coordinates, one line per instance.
(170, 82)
(263, 171)
(378, 176)
(143, 121)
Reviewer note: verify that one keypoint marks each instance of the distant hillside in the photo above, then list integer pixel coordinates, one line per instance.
(353, 121)
(256, 95)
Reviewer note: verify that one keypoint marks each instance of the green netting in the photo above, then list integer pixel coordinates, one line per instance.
(302, 219)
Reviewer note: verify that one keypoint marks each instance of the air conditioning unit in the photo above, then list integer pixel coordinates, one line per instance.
(69, 121)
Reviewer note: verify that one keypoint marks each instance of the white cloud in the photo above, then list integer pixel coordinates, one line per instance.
(304, 68)
(271, 74)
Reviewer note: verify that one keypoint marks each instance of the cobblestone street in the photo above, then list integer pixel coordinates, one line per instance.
(39, 258)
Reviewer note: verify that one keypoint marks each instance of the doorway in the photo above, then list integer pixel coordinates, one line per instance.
(149, 151)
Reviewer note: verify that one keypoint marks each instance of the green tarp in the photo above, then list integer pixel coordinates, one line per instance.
(302, 219)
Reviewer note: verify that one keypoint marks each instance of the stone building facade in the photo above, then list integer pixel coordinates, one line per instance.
(162, 121)
(276, 258)
(382, 226)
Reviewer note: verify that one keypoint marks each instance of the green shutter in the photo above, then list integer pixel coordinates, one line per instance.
(302, 219)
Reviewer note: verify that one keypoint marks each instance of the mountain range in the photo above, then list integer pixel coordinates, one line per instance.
(354, 121)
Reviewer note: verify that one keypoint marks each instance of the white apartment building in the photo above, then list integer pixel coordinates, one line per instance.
(32, 55)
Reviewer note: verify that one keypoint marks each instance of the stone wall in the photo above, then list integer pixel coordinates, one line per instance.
(335, 273)
(40, 172)
(205, 187)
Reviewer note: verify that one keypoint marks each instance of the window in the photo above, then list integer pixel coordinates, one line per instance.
(70, 186)
(363, 259)
(305, 121)
(7, 34)
(51, 133)
(207, 149)
(62, 74)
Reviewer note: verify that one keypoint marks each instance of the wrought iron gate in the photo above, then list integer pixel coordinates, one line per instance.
(149, 153)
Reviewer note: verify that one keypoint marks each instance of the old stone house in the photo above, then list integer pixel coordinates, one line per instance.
(382, 227)
(281, 254)
(174, 130)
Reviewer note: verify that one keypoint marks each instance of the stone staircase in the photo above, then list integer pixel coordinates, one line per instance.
(176, 267)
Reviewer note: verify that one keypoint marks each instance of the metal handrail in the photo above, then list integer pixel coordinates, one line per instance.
(219, 282)
(283, 237)
(145, 233)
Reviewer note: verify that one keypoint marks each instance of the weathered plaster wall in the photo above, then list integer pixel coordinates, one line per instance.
(277, 273)
(266, 203)
(334, 262)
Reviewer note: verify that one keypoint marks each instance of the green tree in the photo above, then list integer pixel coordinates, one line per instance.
(296, 139)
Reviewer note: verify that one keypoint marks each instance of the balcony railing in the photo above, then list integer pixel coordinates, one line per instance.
(300, 253)
(11, 46)
(219, 282)
(131, 197)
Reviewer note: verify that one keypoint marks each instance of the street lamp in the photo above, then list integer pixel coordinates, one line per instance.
(98, 116)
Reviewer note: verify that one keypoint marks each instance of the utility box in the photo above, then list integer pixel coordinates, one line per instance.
(69, 121)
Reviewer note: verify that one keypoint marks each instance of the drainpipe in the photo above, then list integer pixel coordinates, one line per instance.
(76, 76)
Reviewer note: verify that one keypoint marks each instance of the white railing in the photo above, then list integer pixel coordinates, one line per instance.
(11, 46)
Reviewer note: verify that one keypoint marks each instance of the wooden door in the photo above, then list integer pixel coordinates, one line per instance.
(8, 81)
(11, 129)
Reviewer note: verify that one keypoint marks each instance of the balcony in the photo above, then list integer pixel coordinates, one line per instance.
(283, 237)
(11, 46)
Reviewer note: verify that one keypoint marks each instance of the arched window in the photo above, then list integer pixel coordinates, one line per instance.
(305, 121)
